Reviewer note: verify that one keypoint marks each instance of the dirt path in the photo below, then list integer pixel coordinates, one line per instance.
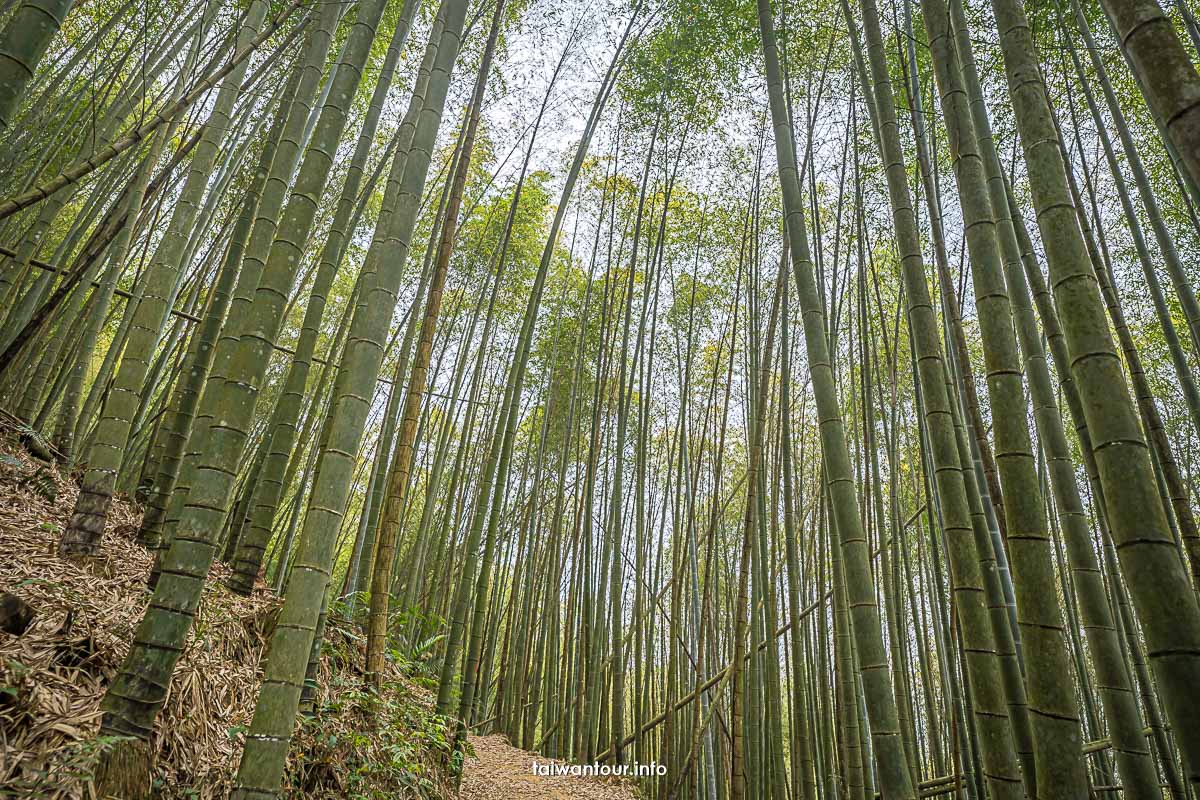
(499, 771)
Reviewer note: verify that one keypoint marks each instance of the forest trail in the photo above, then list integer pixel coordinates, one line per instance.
(499, 771)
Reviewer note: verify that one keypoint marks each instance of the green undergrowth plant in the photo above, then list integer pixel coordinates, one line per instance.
(359, 743)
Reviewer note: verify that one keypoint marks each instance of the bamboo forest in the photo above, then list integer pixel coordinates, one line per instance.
(600, 399)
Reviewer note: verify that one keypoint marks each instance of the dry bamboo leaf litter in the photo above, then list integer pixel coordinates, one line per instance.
(53, 677)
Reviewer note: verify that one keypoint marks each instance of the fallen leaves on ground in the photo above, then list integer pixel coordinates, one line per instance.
(499, 771)
(53, 677)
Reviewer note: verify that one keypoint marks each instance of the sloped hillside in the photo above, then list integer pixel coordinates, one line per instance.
(54, 674)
